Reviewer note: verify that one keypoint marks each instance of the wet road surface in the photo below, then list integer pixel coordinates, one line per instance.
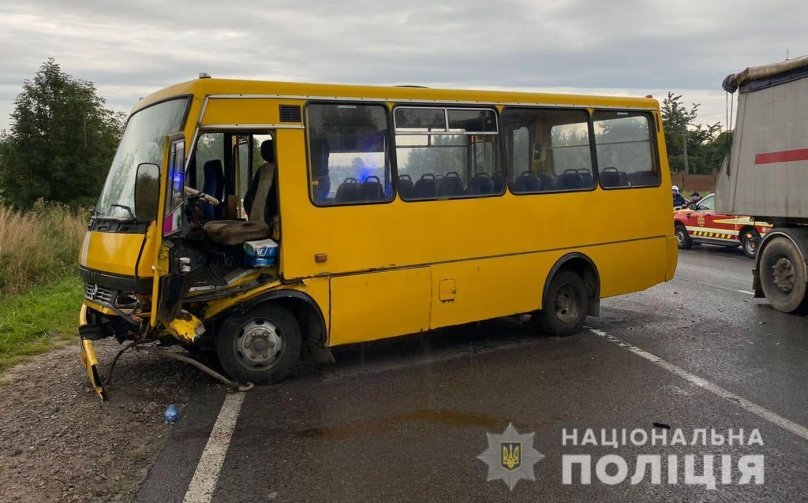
(405, 420)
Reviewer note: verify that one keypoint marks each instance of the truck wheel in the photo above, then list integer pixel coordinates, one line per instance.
(682, 237)
(565, 305)
(260, 346)
(749, 241)
(782, 275)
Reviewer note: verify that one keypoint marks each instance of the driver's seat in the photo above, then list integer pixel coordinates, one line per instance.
(236, 232)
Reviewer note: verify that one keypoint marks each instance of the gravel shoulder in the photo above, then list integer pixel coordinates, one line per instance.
(60, 442)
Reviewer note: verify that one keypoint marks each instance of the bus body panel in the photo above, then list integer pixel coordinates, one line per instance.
(113, 253)
(481, 289)
(378, 305)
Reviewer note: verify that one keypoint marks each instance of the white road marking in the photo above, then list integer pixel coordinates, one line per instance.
(202, 485)
(791, 426)
(747, 292)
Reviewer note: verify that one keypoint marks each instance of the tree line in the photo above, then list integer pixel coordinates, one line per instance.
(705, 145)
(62, 139)
(60, 142)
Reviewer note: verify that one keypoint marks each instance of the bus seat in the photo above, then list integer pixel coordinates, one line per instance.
(451, 185)
(480, 184)
(586, 178)
(547, 181)
(213, 186)
(527, 182)
(499, 182)
(348, 191)
(644, 178)
(371, 189)
(570, 180)
(426, 187)
(610, 179)
(236, 232)
(406, 189)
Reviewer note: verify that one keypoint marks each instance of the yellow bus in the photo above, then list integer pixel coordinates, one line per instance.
(273, 220)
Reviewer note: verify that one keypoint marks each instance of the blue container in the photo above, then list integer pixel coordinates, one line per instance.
(263, 253)
(172, 414)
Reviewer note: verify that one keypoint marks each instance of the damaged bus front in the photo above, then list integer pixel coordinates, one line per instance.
(173, 250)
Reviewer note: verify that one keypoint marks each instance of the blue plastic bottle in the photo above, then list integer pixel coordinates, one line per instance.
(172, 414)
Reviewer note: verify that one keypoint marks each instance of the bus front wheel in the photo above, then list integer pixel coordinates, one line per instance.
(565, 305)
(260, 346)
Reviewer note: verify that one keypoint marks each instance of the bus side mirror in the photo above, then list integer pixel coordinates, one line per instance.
(147, 191)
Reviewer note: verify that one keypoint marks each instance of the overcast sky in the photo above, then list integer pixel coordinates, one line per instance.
(626, 47)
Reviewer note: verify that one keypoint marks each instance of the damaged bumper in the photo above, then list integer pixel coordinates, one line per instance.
(88, 356)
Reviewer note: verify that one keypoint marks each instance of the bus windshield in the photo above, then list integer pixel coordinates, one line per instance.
(141, 142)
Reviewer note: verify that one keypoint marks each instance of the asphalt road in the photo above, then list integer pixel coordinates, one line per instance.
(405, 420)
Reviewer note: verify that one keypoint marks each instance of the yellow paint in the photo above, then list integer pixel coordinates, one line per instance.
(111, 253)
(89, 358)
(379, 304)
(186, 327)
(98, 307)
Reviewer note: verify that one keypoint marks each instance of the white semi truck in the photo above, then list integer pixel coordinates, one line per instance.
(766, 175)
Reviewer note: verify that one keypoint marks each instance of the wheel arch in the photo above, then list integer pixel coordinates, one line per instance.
(798, 236)
(586, 269)
(304, 308)
(744, 229)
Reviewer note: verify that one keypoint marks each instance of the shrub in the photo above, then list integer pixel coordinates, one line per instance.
(38, 245)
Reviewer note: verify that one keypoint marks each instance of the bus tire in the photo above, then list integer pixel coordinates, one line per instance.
(682, 237)
(782, 275)
(749, 241)
(259, 346)
(565, 305)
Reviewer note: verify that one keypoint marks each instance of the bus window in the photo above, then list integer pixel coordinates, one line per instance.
(446, 153)
(348, 154)
(209, 147)
(548, 150)
(625, 154)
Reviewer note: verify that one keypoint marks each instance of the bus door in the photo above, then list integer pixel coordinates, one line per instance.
(171, 272)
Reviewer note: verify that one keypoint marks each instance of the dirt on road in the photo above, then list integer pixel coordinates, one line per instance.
(60, 442)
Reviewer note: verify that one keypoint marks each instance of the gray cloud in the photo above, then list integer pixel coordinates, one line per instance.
(622, 47)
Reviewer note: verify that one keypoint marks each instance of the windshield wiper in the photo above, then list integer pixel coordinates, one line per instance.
(127, 208)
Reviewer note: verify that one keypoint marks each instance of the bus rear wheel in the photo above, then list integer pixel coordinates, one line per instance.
(260, 346)
(565, 305)
(782, 275)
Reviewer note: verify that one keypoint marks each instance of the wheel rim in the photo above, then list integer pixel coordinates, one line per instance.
(680, 235)
(567, 304)
(259, 345)
(750, 245)
(783, 275)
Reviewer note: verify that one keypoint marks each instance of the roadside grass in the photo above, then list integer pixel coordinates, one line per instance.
(39, 319)
(38, 245)
(40, 293)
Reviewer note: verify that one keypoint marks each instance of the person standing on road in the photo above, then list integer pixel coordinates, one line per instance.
(678, 199)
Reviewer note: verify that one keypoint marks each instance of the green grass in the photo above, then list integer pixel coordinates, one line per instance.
(38, 319)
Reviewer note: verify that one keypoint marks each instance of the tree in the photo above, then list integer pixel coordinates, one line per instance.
(61, 141)
(706, 148)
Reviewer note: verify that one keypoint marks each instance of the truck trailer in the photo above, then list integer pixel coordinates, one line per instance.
(766, 175)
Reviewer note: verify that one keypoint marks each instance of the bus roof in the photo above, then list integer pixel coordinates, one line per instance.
(292, 90)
